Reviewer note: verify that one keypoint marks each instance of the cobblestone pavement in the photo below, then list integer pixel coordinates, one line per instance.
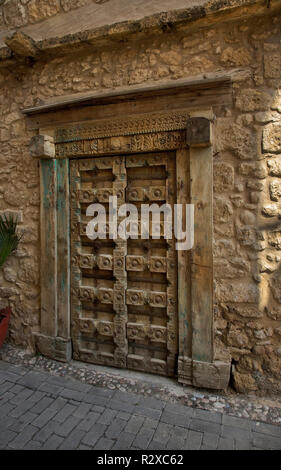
(39, 410)
(256, 408)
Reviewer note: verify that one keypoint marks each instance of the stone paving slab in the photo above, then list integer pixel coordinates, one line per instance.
(38, 412)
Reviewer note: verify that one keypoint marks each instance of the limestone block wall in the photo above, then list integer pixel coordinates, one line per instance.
(247, 174)
(17, 13)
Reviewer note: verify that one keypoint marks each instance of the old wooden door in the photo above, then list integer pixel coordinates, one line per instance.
(123, 292)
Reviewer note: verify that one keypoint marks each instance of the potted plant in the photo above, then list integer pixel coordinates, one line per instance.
(9, 240)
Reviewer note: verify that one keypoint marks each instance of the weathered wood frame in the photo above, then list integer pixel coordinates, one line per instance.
(182, 131)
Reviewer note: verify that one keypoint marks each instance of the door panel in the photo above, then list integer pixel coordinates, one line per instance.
(124, 292)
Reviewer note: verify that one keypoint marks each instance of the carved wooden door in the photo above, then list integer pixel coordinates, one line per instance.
(123, 292)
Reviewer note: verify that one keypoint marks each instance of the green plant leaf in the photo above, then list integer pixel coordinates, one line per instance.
(9, 239)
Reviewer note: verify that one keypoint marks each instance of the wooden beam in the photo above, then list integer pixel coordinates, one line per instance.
(191, 100)
(120, 94)
(195, 93)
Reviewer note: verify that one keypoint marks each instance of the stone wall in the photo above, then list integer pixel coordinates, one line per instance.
(247, 175)
(17, 13)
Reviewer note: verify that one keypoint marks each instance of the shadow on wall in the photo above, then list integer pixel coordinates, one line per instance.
(250, 307)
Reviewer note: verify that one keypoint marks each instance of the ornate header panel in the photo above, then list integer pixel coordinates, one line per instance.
(127, 144)
(141, 133)
(131, 125)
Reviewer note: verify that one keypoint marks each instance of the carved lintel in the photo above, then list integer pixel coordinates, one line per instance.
(131, 125)
(53, 347)
(198, 132)
(148, 142)
(212, 375)
(42, 146)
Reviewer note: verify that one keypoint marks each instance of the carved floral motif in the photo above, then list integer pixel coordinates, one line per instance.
(131, 125)
(128, 144)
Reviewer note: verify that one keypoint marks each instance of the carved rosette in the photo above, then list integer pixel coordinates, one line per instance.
(141, 263)
(87, 294)
(86, 261)
(86, 326)
(105, 296)
(105, 328)
(103, 262)
(135, 263)
(155, 193)
(139, 331)
(91, 195)
(157, 264)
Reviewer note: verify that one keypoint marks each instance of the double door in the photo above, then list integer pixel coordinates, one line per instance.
(124, 291)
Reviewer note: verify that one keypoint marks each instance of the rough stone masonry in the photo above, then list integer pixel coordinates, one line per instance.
(241, 38)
